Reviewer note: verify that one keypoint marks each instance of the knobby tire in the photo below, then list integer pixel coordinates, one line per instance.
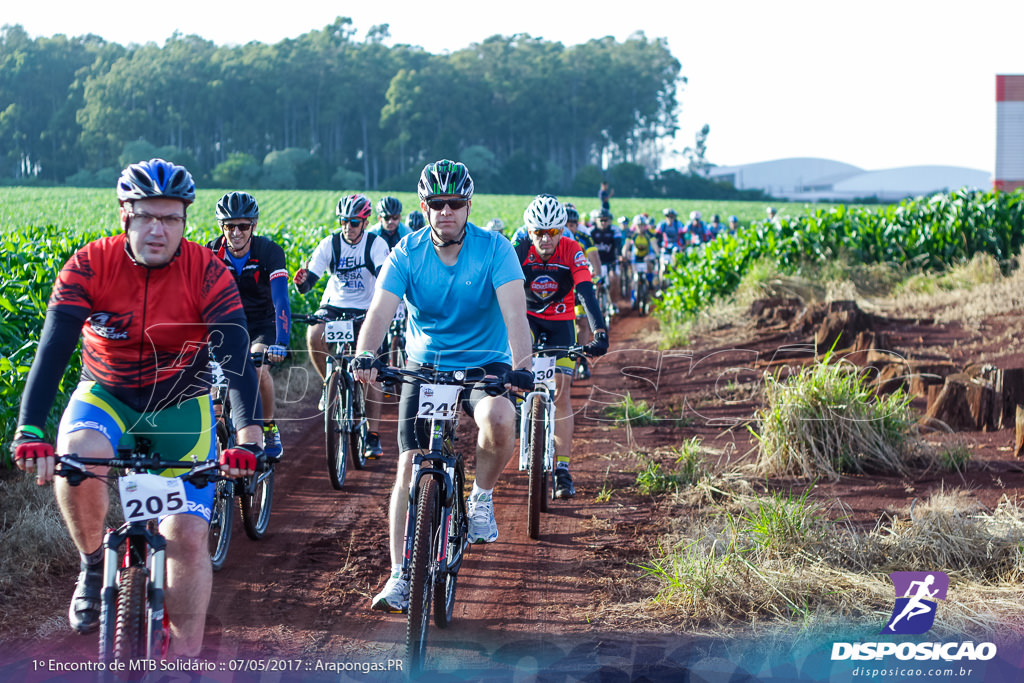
(221, 518)
(337, 445)
(130, 632)
(420, 574)
(538, 435)
(356, 424)
(255, 507)
(447, 576)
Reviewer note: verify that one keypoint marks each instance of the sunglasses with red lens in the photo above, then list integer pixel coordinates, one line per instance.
(439, 204)
(546, 232)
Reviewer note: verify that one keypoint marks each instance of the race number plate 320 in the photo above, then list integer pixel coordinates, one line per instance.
(148, 496)
(339, 332)
(438, 401)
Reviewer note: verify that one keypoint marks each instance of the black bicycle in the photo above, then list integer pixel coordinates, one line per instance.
(133, 622)
(255, 494)
(537, 431)
(343, 400)
(436, 525)
(394, 341)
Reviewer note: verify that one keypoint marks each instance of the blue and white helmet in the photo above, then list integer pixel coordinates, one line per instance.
(156, 178)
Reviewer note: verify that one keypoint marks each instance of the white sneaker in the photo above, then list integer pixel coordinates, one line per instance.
(394, 597)
(480, 514)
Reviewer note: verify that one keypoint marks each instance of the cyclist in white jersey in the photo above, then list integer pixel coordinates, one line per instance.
(354, 258)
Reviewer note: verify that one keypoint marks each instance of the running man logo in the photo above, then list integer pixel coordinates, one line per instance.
(914, 612)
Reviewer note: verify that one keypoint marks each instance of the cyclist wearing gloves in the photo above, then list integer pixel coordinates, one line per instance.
(354, 258)
(390, 227)
(586, 242)
(556, 273)
(464, 294)
(149, 305)
(258, 266)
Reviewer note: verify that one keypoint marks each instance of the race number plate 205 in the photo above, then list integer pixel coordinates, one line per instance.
(339, 332)
(148, 496)
(438, 401)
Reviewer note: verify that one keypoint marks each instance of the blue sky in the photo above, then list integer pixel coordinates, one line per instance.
(877, 84)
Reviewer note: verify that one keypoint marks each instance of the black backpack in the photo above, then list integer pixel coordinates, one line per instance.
(336, 253)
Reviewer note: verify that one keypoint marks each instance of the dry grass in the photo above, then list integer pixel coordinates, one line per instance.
(714, 575)
(34, 544)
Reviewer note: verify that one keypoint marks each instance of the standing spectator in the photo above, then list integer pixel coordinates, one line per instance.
(604, 195)
(258, 266)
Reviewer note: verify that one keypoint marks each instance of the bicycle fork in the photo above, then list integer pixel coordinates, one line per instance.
(142, 547)
(526, 409)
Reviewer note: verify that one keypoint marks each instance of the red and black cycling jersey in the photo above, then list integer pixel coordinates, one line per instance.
(265, 262)
(145, 330)
(550, 285)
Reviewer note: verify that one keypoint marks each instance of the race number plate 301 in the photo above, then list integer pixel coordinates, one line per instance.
(438, 401)
(148, 496)
(544, 371)
(339, 332)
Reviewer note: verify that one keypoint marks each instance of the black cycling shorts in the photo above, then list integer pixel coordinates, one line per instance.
(412, 433)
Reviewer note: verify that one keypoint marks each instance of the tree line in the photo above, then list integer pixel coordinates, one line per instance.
(328, 111)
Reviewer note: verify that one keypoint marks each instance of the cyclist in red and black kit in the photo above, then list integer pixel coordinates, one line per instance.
(258, 266)
(556, 273)
(149, 306)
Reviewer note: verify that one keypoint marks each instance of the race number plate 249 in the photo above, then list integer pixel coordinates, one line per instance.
(438, 401)
(339, 332)
(148, 496)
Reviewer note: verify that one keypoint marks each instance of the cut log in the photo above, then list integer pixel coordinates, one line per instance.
(1018, 440)
(963, 403)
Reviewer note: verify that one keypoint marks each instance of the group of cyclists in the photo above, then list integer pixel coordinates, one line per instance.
(153, 309)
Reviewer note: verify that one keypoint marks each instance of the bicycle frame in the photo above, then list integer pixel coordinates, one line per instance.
(134, 552)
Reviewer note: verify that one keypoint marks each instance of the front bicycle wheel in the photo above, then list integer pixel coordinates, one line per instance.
(355, 423)
(455, 539)
(130, 630)
(538, 433)
(221, 517)
(396, 350)
(337, 446)
(255, 503)
(421, 572)
(642, 295)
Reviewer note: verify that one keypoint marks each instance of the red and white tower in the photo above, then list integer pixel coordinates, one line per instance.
(1009, 132)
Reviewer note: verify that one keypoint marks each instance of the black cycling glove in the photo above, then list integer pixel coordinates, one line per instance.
(521, 379)
(599, 346)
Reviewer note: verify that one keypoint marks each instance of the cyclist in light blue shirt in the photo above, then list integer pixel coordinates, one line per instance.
(466, 304)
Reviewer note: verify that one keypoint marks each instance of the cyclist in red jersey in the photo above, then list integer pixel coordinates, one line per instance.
(149, 305)
(556, 272)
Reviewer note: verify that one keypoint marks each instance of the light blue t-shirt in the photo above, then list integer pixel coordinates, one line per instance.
(454, 318)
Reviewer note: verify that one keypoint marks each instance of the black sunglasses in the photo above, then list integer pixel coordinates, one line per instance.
(241, 227)
(439, 204)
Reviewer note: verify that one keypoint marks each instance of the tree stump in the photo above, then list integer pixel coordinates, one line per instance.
(1018, 440)
(963, 403)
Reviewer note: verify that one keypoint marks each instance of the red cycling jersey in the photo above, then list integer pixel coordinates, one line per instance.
(144, 332)
(551, 284)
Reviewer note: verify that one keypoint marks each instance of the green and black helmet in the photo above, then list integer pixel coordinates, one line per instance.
(237, 205)
(445, 177)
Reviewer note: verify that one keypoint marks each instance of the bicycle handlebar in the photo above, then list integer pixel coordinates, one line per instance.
(313, 319)
(491, 384)
(73, 468)
(573, 352)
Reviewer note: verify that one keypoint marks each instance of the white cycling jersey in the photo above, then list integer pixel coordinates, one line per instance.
(351, 284)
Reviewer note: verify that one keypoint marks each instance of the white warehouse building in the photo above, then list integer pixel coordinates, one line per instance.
(810, 179)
